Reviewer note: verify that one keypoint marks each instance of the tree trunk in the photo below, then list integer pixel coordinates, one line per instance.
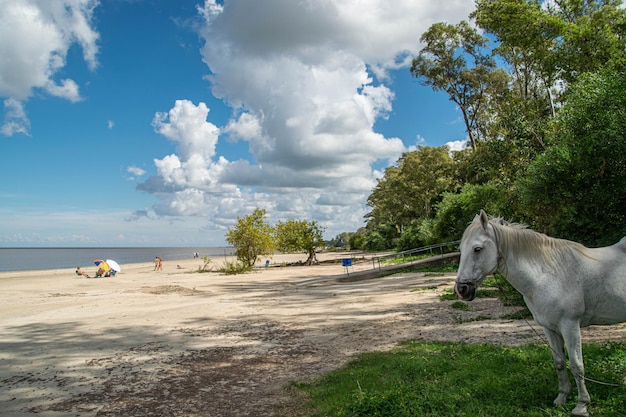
(311, 259)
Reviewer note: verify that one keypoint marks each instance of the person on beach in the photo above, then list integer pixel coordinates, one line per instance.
(158, 263)
(80, 272)
(101, 273)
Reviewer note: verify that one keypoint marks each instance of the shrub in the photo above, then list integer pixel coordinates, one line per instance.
(234, 268)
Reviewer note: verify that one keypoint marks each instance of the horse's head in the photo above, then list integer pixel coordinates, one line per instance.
(479, 256)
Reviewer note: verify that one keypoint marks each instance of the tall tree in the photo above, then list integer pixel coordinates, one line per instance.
(409, 190)
(594, 35)
(251, 236)
(577, 189)
(300, 236)
(454, 60)
(545, 46)
(527, 38)
(387, 207)
(549, 43)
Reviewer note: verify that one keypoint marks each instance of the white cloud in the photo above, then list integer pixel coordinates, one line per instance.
(246, 127)
(186, 125)
(35, 36)
(136, 171)
(67, 89)
(306, 81)
(15, 119)
(110, 124)
(193, 167)
(457, 145)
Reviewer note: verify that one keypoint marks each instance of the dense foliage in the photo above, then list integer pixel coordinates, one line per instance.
(580, 181)
(299, 236)
(252, 236)
(546, 127)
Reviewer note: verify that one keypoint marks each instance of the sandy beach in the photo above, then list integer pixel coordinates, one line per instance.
(182, 343)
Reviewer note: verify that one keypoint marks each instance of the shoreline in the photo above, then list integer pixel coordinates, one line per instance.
(20, 259)
(170, 266)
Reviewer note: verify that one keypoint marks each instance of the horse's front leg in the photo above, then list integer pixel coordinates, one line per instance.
(558, 355)
(571, 334)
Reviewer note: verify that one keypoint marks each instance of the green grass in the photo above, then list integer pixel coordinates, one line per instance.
(429, 270)
(460, 305)
(403, 259)
(496, 286)
(234, 268)
(206, 267)
(449, 268)
(449, 295)
(456, 379)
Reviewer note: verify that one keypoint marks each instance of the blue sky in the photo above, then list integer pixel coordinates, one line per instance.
(157, 123)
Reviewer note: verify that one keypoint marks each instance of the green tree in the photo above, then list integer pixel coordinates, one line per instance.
(545, 47)
(409, 190)
(381, 237)
(454, 60)
(417, 234)
(375, 241)
(457, 210)
(593, 36)
(357, 239)
(342, 240)
(546, 131)
(549, 43)
(251, 237)
(577, 189)
(300, 236)
(387, 206)
(527, 37)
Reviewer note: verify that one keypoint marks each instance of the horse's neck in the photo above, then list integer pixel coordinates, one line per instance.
(521, 267)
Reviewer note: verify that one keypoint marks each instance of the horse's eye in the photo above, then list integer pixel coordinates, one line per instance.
(477, 249)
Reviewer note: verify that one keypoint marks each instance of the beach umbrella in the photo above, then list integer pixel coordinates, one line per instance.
(101, 264)
(114, 265)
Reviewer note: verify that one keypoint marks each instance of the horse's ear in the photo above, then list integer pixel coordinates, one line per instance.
(484, 219)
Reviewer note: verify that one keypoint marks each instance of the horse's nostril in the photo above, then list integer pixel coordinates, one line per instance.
(464, 291)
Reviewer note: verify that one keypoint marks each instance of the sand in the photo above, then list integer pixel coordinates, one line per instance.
(182, 343)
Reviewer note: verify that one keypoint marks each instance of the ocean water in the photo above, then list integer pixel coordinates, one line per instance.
(23, 259)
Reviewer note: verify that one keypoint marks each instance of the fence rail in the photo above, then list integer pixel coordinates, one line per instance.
(408, 256)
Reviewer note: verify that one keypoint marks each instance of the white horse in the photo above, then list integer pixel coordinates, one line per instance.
(565, 285)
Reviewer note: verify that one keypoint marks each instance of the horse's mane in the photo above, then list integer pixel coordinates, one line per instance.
(526, 241)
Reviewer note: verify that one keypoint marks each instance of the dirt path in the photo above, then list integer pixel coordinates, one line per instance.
(182, 344)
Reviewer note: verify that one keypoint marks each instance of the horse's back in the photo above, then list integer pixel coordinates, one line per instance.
(606, 285)
(621, 245)
(615, 257)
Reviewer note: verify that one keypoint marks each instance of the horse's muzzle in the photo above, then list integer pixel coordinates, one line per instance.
(465, 290)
